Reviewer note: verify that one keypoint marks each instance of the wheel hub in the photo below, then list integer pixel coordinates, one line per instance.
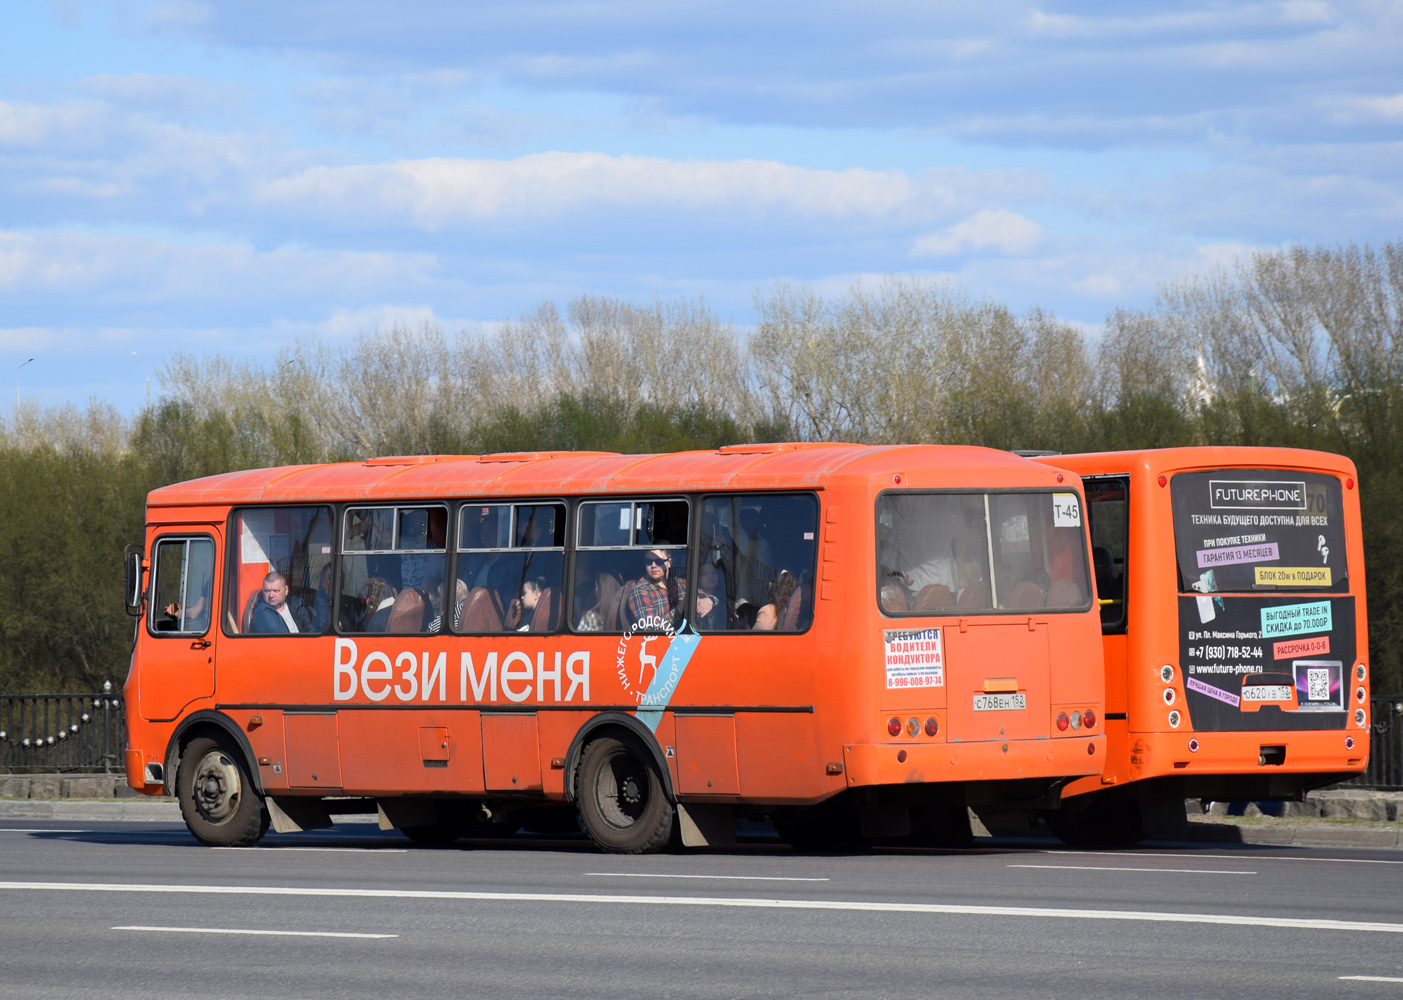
(216, 786)
(630, 792)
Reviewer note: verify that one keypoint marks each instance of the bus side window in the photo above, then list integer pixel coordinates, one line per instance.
(511, 568)
(758, 556)
(631, 566)
(1107, 509)
(183, 589)
(283, 553)
(393, 563)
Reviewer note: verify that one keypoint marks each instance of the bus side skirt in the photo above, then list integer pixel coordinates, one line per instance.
(621, 720)
(217, 720)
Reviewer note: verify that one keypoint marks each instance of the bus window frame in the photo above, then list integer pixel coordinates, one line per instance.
(1115, 628)
(151, 608)
(463, 505)
(1084, 534)
(572, 551)
(694, 570)
(230, 531)
(341, 515)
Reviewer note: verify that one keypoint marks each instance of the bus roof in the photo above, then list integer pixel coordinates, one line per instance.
(1157, 460)
(806, 465)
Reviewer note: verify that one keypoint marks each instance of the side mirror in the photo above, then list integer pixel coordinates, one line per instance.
(131, 582)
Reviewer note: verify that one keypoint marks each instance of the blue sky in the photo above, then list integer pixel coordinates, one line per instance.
(179, 174)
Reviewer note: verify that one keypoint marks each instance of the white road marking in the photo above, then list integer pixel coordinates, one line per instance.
(855, 906)
(750, 878)
(240, 930)
(1225, 857)
(276, 848)
(20, 829)
(1375, 979)
(1117, 868)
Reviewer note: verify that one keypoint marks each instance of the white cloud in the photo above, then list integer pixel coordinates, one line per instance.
(134, 270)
(433, 193)
(1365, 110)
(990, 229)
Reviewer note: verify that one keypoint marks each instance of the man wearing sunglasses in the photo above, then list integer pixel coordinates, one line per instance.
(653, 598)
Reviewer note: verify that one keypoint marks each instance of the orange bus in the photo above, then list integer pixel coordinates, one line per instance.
(857, 642)
(1231, 585)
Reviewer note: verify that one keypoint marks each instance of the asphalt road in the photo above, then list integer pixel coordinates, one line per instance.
(128, 910)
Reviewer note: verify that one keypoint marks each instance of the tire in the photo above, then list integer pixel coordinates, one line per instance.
(1112, 824)
(621, 797)
(217, 797)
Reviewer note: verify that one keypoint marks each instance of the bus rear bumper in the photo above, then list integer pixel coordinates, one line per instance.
(1261, 764)
(913, 763)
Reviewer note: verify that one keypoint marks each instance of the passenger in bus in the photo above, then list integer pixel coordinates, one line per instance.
(752, 556)
(196, 616)
(279, 611)
(378, 597)
(771, 613)
(606, 592)
(460, 601)
(531, 593)
(711, 599)
(656, 594)
(321, 603)
(972, 590)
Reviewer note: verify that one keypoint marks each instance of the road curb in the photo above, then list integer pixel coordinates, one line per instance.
(1295, 835)
(125, 811)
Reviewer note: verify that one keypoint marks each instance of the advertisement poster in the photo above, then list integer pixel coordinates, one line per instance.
(1263, 642)
(915, 658)
(1267, 663)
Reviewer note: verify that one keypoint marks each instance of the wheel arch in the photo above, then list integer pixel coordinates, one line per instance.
(208, 721)
(600, 725)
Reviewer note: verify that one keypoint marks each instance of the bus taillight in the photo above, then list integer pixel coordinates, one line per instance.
(894, 726)
(1088, 719)
(1062, 721)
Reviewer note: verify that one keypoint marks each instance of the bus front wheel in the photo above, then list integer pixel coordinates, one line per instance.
(622, 802)
(217, 797)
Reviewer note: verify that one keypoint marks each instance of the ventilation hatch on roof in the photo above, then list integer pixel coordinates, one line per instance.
(777, 447)
(417, 459)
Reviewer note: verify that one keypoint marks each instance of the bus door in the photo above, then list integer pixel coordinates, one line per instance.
(1108, 516)
(177, 661)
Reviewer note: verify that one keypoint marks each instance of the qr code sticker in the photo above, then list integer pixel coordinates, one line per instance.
(1318, 684)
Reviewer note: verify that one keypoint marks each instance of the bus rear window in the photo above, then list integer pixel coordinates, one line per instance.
(1238, 530)
(980, 552)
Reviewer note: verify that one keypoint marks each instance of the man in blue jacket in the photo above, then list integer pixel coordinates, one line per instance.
(279, 611)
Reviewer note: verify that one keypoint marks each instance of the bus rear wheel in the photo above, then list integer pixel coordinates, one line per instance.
(622, 802)
(217, 797)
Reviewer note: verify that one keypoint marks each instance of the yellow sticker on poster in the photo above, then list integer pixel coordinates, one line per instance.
(1293, 576)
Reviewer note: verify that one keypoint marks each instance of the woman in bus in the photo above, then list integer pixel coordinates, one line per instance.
(711, 599)
(606, 591)
(767, 619)
(377, 597)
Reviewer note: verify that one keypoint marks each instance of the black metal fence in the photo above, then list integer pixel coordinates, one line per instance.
(1385, 745)
(48, 733)
(69, 733)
